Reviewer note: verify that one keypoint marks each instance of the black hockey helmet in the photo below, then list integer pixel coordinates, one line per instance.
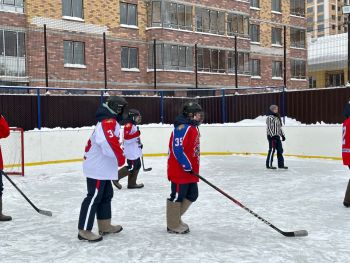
(190, 108)
(116, 104)
(135, 116)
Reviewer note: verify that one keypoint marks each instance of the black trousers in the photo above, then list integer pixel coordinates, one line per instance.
(275, 144)
(181, 191)
(134, 165)
(97, 202)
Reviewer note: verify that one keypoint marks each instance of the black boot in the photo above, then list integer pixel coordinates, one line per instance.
(271, 167)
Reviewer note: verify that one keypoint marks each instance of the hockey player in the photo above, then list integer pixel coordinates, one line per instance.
(183, 161)
(103, 155)
(4, 132)
(274, 135)
(132, 150)
(346, 150)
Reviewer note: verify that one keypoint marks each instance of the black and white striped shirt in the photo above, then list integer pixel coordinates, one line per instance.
(274, 126)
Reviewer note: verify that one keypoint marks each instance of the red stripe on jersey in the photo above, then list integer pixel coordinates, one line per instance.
(127, 132)
(108, 127)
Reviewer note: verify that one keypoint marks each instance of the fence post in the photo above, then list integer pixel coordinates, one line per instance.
(223, 106)
(196, 64)
(284, 72)
(162, 106)
(46, 59)
(39, 108)
(283, 102)
(154, 64)
(236, 63)
(105, 58)
(101, 97)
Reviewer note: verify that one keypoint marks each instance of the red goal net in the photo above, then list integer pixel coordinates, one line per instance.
(12, 149)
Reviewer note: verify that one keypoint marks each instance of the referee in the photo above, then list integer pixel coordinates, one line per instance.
(274, 135)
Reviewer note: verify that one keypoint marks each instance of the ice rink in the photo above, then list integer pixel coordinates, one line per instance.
(307, 196)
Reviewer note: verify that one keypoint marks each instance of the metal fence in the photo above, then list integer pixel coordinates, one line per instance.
(31, 108)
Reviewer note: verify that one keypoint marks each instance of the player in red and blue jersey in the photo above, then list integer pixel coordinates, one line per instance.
(183, 161)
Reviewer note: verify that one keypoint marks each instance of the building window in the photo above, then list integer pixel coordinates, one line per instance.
(242, 62)
(171, 57)
(297, 37)
(255, 33)
(276, 36)
(276, 5)
(312, 83)
(72, 8)
(320, 28)
(170, 15)
(320, 18)
(130, 58)
(255, 3)
(211, 60)
(255, 67)
(334, 79)
(154, 14)
(74, 52)
(277, 69)
(210, 21)
(320, 9)
(237, 24)
(12, 53)
(177, 16)
(128, 14)
(310, 10)
(298, 69)
(297, 7)
(12, 5)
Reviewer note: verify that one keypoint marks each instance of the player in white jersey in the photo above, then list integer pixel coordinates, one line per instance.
(132, 150)
(103, 155)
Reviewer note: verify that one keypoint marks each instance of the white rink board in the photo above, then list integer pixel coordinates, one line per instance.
(50, 145)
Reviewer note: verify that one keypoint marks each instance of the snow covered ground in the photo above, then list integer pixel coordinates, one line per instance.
(308, 196)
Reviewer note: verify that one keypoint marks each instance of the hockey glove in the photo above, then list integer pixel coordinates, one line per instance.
(283, 138)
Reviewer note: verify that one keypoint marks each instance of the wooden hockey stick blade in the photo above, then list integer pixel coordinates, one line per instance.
(147, 169)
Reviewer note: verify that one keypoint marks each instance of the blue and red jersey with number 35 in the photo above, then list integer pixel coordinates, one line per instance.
(184, 154)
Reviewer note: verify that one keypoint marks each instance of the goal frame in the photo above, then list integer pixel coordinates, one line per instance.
(21, 131)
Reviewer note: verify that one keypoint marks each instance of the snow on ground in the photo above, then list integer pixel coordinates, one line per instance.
(307, 196)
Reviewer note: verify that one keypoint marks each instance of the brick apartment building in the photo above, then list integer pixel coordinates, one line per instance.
(77, 53)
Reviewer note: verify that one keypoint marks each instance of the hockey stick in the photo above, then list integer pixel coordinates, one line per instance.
(143, 166)
(298, 233)
(43, 212)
